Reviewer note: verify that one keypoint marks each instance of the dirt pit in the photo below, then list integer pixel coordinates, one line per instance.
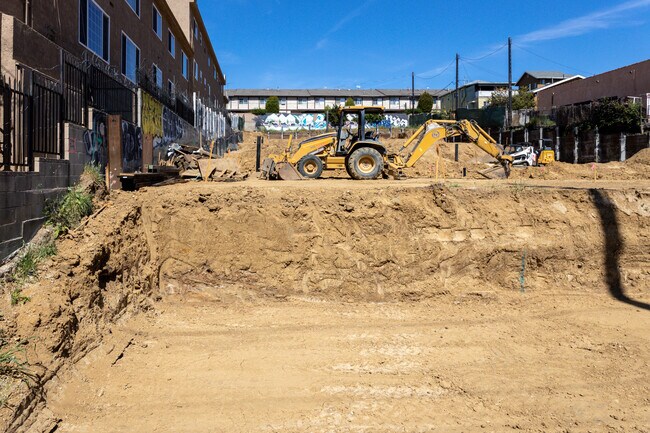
(342, 306)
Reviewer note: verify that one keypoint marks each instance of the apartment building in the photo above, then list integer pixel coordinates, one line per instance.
(315, 100)
(132, 40)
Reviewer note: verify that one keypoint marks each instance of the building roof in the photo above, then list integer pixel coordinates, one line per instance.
(559, 83)
(544, 75)
(336, 93)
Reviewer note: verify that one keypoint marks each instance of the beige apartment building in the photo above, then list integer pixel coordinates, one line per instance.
(315, 100)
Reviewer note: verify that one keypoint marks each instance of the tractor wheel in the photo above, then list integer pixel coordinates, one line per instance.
(365, 163)
(310, 167)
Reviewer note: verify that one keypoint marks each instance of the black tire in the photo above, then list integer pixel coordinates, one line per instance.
(310, 167)
(365, 163)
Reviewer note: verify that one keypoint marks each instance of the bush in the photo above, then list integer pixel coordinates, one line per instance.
(272, 105)
(333, 114)
(259, 111)
(66, 213)
(349, 102)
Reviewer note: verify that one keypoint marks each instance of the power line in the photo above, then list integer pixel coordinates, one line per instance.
(552, 61)
(437, 75)
(487, 55)
(493, 73)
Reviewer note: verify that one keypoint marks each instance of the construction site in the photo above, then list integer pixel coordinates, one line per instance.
(443, 301)
(371, 226)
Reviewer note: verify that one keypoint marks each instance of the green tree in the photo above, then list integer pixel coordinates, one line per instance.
(425, 103)
(349, 102)
(273, 105)
(521, 99)
(373, 119)
(333, 114)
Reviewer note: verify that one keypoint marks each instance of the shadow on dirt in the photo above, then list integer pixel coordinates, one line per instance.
(613, 247)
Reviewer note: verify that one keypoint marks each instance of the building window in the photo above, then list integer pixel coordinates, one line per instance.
(320, 102)
(209, 62)
(342, 101)
(283, 102)
(195, 26)
(135, 5)
(215, 73)
(394, 102)
(170, 87)
(358, 101)
(262, 102)
(130, 58)
(243, 101)
(171, 44)
(302, 101)
(185, 65)
(157, 76)
(156, 22)
(196, 70)
(94, 28)
(376, 101)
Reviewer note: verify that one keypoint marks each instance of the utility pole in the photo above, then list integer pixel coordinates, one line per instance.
(509, 83)
(412, 91)
(457, 64)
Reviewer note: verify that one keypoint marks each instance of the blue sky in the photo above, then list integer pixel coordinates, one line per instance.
(378, 43)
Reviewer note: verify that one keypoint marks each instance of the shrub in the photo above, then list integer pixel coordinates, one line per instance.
(67, 212)
(259, 111)
(349, 102)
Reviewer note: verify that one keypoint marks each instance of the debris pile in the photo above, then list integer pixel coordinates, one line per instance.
(201, 164)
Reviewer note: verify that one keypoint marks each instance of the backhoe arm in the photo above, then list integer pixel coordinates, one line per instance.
(434, 131)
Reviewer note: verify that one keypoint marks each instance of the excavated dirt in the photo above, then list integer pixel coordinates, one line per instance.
(342, 306)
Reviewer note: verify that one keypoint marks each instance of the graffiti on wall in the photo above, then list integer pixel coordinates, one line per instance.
(131, 147)
(95, 141)
(164, 127)
(292, 122)
(152, 115)
(316, 122)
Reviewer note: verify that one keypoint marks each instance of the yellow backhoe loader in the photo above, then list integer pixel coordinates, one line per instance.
(357, 150)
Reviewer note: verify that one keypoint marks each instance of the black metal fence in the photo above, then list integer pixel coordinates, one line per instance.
(109, 95)
(174, 102)
(31, 124)
(75, 94)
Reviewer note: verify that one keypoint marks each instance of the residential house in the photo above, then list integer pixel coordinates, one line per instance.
(476, 94)
(532, 80)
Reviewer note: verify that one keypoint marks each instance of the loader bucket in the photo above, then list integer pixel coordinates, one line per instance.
(272, 170)
(287, 171)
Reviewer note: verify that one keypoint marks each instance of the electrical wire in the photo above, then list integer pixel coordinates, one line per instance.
(552, 61)
(437, 75)
(487, 55)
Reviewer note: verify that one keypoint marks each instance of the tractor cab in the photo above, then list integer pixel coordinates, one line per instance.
(352, 127)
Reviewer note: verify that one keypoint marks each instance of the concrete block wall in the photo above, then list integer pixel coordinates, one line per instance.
(22, 200)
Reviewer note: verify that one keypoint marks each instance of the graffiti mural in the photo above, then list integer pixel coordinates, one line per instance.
(291, 122)
(131, 147)
(316, 122)
(393, 121)
(95, 141)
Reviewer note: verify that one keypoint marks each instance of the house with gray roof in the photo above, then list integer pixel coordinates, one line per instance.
(533, 80)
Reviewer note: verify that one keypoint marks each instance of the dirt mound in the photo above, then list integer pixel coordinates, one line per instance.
(592, 171)
(642, 157)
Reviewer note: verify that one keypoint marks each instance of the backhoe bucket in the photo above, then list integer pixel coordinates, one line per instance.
(497, 172)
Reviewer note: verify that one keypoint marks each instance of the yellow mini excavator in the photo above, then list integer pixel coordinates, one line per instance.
(357, 149)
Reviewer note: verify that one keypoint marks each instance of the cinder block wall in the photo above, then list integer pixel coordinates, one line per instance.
(22, 201)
